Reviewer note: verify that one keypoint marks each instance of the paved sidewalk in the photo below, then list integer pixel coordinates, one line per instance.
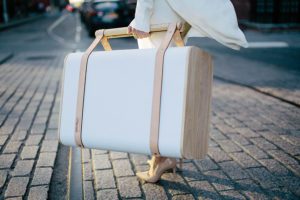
(254, 151)
(29, 104)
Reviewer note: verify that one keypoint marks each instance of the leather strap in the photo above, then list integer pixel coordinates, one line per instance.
(157, 88)
(81, 87)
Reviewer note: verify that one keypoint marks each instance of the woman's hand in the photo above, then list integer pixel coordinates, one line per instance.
(137, 34)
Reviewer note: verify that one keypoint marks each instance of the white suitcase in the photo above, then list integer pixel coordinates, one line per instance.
(118, 101)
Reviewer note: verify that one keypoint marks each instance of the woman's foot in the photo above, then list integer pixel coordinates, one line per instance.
(158, 165)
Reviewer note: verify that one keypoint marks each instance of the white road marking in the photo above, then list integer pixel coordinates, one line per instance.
(78, 30)
(56, 37)
(271, 44)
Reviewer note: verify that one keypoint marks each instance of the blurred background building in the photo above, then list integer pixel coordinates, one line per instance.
(268, 11)
(18, 9)
(249, 11)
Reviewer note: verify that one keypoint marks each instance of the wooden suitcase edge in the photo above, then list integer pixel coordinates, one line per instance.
(193, 130)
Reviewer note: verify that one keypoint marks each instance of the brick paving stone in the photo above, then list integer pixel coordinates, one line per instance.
(19, 135)
(255, 152)
(239, 139)
(191, 173)
(219, 180)
(292, 183)
(141, 168)
(111, 194)
(139, 159)
(234, 123)
(263, 177)
(16, 186)
(295, 169)
(174, 184)
(229, 146)
(6, 160)
(3, 177)
(225, 129)
(104, 179)
(12, 147)
(295, 140)
(42, 176)
(183, 197)
(117, 155)
(88, 190)
(233, 170)
(251, 190)
(275, 167)
(244, 160)
(14, 198)
(218, 155)
(217, 135)
(280, 193)
(38, 193)
(101, 162)
(33, 140)
(46, 160)
(232, 194)
(247, 132)
(271, 136)
(6, 130)
(129, 187)
(29, 152)
(51, 134)
(122, 168)
(38, 129)
(23, 168)
(288, 147)
(154, 191)
(3, 139)
(263, 144)
(206, 164)
(49, 146)
(212, 143)
(86, 155)
(99, 152)
(87, 171)
(203, 190)
(282, 157)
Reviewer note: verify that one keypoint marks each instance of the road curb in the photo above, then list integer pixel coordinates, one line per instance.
(20, 22)
(5, 57)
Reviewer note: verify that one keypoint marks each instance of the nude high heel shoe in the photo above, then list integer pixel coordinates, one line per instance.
(158, 166)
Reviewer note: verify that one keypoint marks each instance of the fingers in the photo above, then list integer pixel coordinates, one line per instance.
(129, 30)
(137, 34)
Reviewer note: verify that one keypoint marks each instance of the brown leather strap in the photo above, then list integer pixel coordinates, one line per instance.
(106, 44)
(81, 87)
(157, 88)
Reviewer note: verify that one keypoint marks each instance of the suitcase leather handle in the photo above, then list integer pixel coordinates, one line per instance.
(123, 32)
(173, 31)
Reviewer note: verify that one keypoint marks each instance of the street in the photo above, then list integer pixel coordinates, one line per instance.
(254, 151)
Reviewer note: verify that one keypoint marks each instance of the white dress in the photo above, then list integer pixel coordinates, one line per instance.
(215, 19)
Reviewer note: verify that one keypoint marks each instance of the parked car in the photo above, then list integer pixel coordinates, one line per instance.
(106, 14)
(83, 10)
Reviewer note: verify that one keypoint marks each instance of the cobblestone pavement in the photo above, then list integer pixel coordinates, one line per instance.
(254, 150)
